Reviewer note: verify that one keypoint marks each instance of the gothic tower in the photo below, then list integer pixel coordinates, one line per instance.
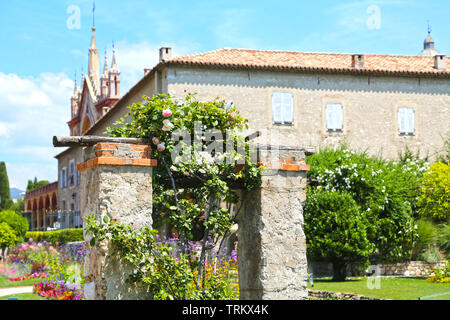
(114, 78)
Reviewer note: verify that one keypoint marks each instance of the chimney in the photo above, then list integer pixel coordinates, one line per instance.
(358, 61)
(440, 61)
(165, 53)
(146, 71)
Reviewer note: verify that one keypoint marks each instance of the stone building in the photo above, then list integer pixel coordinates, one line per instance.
(378, 103)
(41, 207)
(97, 95)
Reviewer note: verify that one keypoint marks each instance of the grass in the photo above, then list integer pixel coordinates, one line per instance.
(5, 283)
(395, 288)
(23, 296)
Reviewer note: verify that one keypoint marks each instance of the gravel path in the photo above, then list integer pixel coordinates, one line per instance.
(15, 290)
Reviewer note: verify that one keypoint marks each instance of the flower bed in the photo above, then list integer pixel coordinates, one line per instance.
(441, 275)
(58, 290)
(29, 276)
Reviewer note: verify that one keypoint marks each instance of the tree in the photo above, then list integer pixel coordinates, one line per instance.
(7, 237)
(434, 199)
(36, 184)
(5, 195)
(17, 223)
(336, 231)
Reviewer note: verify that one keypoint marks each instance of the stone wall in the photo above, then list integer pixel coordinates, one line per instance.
(410, 268)
(320, 294)
(116, 182)
(272, 245)
(405, 269)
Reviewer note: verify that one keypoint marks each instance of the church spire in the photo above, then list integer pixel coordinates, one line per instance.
(114, 63)
(75, 89)
(105, 67)
(94, 64)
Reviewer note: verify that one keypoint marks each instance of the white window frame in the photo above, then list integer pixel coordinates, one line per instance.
(406, 121)
(283, 109)
(334, 116)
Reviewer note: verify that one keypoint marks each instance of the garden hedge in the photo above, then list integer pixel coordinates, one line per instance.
(60, 236)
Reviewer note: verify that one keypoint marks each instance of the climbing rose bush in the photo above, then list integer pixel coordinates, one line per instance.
(202, 212)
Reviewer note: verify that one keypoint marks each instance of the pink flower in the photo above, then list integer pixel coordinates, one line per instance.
(161, 147)
(167, 113)
(155, 141)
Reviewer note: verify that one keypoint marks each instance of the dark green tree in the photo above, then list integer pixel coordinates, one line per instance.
(5, 195)
(36, 184)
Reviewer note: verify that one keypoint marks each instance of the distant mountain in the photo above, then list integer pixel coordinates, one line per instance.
(17, 193)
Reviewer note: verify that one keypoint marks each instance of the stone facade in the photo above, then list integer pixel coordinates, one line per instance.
(69, 185)
(116, 182)
(370, 106)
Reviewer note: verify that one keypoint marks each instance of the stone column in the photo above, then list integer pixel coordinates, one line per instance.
(116, 182)
(272, 244)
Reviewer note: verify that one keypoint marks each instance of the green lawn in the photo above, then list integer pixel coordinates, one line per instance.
(23, 296)
(5, 283)
(395, 288)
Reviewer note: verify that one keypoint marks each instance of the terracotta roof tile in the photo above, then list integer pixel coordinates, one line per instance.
(304, 61)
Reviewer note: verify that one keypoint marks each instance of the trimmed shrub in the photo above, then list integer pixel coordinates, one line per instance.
(60, 236)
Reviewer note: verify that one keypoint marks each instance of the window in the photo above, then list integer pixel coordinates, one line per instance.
(334, 116)
(283, 108)
(78, 176)
(72, 172)
(63, 177)
(406, 120)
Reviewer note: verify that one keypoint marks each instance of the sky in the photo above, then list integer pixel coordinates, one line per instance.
(44, 46)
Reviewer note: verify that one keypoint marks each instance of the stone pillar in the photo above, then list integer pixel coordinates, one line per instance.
(116, 182)
(272, 244)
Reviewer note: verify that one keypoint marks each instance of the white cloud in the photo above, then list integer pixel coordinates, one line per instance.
(32, 111)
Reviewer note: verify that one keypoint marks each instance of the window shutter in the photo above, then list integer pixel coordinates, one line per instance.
(277, 107)
(62, 178)
(329, 116)
(410, 120)
(334, 116)
(338, 117)
(288, 108)
(402, 120)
